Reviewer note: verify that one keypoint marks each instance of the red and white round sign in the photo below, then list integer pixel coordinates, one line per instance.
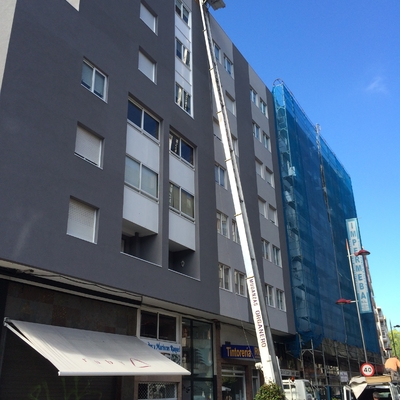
(367, 369)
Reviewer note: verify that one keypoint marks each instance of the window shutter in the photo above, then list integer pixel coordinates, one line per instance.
(88, 146)
(81, 220)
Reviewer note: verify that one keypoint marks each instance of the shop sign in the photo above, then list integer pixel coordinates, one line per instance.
(168, 349)
(239, 351)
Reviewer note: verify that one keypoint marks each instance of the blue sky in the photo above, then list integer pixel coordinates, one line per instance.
(341, 60)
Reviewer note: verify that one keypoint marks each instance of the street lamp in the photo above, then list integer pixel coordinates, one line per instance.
(362, 253)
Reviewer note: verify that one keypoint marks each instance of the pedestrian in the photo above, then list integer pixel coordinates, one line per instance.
(391, 366)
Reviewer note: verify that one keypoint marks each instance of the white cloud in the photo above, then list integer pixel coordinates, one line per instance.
(377, 86)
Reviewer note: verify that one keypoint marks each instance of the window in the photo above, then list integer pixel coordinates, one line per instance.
(276, 253)
(157, 390)
(253, 96)
(235, 232)
(256, 131)
(217, 53)
(272, 215)
(180, 148)
(148, 17)
(235, 146)
(220, 175)
(269, 177)
(183, 98)
(222, 224)
(140, 177)
(240, 287)
(228, 65)
(82, 220)
(263, 107)
(266, 141)
(182, 11)
(230, 104)
(260, 169)
(94, 80)
(261, 207)
(269, 292)
(280, 300)
(142, 119)
(182, 52)
(147, 66)
(181, 201)
(224, 277)
(88, 146)
(157, 326)
(265, 249)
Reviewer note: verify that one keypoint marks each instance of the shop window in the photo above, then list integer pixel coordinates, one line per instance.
(157, 326)
(157, 390)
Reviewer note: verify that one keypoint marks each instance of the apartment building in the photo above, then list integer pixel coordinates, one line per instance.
(118, 233)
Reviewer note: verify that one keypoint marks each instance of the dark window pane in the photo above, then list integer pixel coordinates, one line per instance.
(174, 143)
(87, 74)
(167, 329)
(134, 114)
(187, 152)
(148, 325)
(150, 125)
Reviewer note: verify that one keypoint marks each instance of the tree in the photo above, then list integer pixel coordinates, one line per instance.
(394, 337)
(270, 391)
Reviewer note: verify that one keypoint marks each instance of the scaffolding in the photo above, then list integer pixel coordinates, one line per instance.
(318, 198)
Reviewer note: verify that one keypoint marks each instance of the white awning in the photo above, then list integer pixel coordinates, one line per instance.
(76, 352)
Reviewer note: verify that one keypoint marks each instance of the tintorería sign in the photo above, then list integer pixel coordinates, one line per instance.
(360, 277)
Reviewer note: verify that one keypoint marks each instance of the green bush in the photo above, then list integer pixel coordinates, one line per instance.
(270, 391)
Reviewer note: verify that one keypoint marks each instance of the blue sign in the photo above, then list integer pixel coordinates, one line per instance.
(238, 351)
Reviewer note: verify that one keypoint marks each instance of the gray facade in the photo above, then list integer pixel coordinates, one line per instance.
(133, 227)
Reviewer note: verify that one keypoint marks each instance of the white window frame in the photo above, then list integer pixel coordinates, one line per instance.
(276, 256)
(180, 146)
(263, 107)
(96, 73)
(220, 175)
(269, 177)
(148, 17)
(217, 53)
(270, 298)
(256, 131)
(240, 283)
(266, 141)
(89, 146)
(225, 277)
(147, 66)
(182, 52)
(262, 207)
(273, 214)
(145, 115)
(82, 220)
(222, 224)
(143, 170)
(265, 248)
(183, 98)
(182, 11)
(228, 65)
(235, 232)
(260, 169)
(181, 193)
(230, 104)
(253, 96)
(280, 300)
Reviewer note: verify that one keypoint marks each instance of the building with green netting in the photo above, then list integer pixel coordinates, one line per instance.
(318, 199)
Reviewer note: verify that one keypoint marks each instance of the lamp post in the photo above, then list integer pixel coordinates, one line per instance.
(362, 253)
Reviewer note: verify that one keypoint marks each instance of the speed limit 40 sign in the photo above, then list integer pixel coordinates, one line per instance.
(367, 369)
